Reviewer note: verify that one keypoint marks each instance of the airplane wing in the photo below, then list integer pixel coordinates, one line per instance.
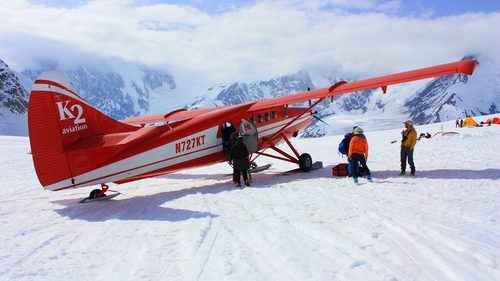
(464, 66)
(176, 115)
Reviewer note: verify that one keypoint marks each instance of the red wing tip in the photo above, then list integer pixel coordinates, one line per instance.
(468, 66)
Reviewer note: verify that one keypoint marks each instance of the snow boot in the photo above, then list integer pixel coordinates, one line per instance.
(356, 180)
(369, 177)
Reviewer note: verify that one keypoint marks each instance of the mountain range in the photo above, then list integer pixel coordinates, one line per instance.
(133, 91)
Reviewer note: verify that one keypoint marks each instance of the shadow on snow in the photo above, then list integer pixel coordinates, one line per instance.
(153, 206)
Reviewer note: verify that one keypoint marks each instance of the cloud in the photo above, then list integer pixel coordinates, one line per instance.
(247, 43)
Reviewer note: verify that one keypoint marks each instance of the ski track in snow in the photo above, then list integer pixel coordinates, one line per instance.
(442, 224)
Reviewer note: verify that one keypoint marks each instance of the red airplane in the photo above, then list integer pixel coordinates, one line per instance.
(74, 145)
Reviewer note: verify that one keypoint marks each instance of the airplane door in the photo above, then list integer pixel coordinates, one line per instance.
(249, 133)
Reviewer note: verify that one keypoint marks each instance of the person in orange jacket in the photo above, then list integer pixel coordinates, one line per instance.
(358, 153)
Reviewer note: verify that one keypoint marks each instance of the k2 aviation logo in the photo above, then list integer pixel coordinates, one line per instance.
(75, 112)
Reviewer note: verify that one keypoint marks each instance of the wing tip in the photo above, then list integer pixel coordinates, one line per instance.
(468, 66)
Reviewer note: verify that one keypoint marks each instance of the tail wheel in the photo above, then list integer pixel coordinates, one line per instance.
(94, 193)
(305, 162)
(253, 165)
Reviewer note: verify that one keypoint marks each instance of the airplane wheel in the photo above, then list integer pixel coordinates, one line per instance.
(305, 162)
(93, 193)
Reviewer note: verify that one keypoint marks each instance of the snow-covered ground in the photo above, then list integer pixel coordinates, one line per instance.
(443, 224)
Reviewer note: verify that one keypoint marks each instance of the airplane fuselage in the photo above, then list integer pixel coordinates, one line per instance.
(167, 148)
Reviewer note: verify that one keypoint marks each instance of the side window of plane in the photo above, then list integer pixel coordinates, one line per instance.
(268, 117)
(259, 118)
(275, 114)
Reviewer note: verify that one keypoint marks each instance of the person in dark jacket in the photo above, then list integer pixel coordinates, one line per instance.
(239, 159)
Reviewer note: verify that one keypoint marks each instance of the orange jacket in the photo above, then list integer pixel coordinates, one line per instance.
(358, 145)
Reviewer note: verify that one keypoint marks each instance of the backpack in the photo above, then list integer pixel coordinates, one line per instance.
(344, 144)
(340, 170)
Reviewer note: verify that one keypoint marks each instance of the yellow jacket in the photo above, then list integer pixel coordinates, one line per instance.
(409, 137)
(358, 145)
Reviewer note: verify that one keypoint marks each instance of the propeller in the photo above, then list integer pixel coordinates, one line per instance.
(319, 119)
(313, 113)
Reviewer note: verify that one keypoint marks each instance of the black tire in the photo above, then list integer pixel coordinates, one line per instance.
(305, 162)
(93, 193)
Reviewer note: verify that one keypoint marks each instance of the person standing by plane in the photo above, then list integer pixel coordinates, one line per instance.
(407, 144)
(344, 149)
(239, 159)
(358, 153)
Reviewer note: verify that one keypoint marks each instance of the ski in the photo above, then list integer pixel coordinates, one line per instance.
(260, 168)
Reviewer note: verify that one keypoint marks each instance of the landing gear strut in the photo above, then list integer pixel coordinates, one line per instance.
(304, 160)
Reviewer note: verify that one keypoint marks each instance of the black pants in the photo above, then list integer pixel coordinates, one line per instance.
(237, 173)
(359, 158)
(407, 153)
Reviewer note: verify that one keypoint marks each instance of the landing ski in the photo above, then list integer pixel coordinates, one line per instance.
(256, 169)
(260, 168)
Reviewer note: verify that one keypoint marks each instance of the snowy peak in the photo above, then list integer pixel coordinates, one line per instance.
(13, 96)
(119, 94)
(13, 102)
(241, 92)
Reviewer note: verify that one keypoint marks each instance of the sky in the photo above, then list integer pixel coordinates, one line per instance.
(442, 224)
(423, 7)
(226, 41)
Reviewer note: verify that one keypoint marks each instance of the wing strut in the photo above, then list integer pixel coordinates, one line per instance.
(286, 157)
(304, 160)
(297, 117)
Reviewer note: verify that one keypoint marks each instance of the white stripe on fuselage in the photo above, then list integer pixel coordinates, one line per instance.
(151, 160)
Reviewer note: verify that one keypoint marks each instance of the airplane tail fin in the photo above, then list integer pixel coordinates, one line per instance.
(57, 119)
